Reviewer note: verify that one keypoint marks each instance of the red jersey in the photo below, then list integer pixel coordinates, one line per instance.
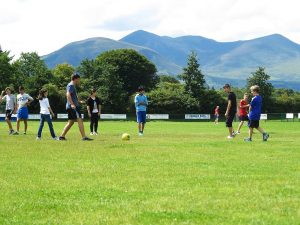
(216, 111)
(243, 111)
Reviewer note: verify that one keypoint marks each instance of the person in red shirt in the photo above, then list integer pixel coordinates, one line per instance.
(217, 114)
(243, 112)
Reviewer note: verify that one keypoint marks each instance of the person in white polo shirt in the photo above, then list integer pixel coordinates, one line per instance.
(11, 106)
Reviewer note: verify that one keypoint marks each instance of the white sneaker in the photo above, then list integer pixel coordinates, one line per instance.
(38, 138)
(237, 133)
(91, 133)
(95, 133)
(55, 139)
(141, 134)
(230, 137)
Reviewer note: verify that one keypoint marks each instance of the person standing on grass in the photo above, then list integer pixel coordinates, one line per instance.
(24, 101)
(254, 114)
(45, 114)
(243, 113)
(10, 108)
(217, 114)
(94, 111)
(73, 109)
(230, 110)
(141, 104)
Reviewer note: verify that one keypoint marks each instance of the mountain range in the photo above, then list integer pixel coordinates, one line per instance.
(221, 62)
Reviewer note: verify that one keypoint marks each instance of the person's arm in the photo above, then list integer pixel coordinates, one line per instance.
(15, 105)
(98, 106)
(30, 99)
(2, 96)
(88, 107)
(228, 108)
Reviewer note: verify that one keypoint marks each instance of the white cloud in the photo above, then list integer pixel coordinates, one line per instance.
(44, 26)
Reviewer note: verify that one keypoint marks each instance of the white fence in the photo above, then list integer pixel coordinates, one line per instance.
(197, 116)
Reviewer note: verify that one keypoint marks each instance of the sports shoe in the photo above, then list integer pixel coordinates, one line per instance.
(230, 137)
(11, 132)
(38, 138)
(265, 136)
(236, 133)
(91, 133)
(141, 133)
(62, 138)
(16, 133)
(248, 139)
(24, 133)
(95, 133)
(55, 138)
(86, 139)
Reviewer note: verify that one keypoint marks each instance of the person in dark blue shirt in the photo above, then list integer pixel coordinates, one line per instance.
(254, 114)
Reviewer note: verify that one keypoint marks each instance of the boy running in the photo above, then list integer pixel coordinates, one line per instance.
(141, 104)
(243, 114)
(73, 109)
(45, 114)
(254, 115)
(10, 108)
(217, 114)
(24, 101)
(230, 110)
(94, 111)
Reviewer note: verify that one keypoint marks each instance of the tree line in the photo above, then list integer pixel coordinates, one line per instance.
(116, 74)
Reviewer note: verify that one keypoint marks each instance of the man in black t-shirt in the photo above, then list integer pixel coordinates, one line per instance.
(231, 110)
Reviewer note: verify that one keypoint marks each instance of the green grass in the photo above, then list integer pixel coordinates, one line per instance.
(178, 173)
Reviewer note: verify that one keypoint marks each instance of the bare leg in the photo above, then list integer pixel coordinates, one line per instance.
(140, 127)
(9, 124)
(143, 127)
(250, 132)
(18, 125)
(240, 126)
(230, 129)
(261, 130)
(81, 127)
(67, 128)
(25, 126)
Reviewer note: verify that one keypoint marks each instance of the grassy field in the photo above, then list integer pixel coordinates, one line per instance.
(178, 173)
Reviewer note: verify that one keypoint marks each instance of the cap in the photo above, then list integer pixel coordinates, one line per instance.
(226, 86)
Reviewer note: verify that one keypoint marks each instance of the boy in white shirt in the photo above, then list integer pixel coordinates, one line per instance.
(45, 114)
(22, 114)
(10, 108)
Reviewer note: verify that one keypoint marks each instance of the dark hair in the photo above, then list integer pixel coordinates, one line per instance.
(93, 90)
(42, 93)
(21, 88)
(141, 88)
(75, 76)
(226, 86)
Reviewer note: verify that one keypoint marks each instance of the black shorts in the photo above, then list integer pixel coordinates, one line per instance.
(74, 114)
(244, 118)
(8, 114)
(253, 123)
(229, 120)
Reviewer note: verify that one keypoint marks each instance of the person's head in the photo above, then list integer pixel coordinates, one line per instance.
(254, 90)
(141, 90)
(93, 92)
(43, 93)
(227, 88)
(75, 78)
(246, 96)
(8, 90)
(21, 90)
(217, 107)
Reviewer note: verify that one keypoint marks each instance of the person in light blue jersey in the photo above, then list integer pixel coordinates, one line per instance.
(141, 104)
(254, 114)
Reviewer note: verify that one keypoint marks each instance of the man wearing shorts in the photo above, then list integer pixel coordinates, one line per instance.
(10, 108)
(141, 104)
(73, 109)
(243, 113)
(230, 110)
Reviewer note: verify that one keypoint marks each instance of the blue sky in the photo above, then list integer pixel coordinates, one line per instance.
(47, 25)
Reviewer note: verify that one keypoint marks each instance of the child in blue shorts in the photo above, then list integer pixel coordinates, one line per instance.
(141, 104)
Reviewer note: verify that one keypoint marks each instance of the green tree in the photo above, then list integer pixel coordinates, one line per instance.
(62, 75)
(132, 68)
(6, 70)
(168, 79)
(195, 84)
(32, 72)
(261, 78)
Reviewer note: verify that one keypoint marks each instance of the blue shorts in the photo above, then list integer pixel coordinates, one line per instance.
(141, 116)
(22, 113)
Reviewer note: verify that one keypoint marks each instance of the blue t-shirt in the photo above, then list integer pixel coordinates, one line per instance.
(72, 90)
(139, 99)
(256, 104)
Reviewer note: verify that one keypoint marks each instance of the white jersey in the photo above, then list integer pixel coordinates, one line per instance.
(23, 99)
(10, 102)
(44, 104)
